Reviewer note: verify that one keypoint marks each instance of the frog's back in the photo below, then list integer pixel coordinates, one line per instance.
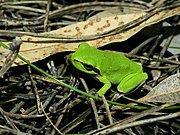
(116, 66)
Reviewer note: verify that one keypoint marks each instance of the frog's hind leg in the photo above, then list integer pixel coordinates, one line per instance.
(131, 81)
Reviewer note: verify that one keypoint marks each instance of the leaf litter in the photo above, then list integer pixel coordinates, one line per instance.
(64, 111)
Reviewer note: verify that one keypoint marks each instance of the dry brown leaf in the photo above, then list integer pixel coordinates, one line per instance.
(167, 91)
(38, 51)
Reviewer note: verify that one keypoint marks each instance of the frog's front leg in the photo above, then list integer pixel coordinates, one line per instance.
(107, 85)
(131, 81)
(101, 92)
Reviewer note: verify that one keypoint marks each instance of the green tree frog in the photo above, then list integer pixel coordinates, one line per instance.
(108, 67)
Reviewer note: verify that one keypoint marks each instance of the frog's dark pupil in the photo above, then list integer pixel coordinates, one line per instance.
(91, 68)
(88, 67)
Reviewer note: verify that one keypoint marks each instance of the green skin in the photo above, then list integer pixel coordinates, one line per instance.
(108, 67)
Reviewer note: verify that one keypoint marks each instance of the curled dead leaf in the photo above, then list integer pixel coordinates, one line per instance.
(167, 91)
(36, 48)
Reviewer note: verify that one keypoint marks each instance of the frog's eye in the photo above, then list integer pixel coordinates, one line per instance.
(91, 68)
(88, 67)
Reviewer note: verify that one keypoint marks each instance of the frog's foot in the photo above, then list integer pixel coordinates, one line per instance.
(131, 81)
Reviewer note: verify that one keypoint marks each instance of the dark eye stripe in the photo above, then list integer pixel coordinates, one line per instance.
(89, 67)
